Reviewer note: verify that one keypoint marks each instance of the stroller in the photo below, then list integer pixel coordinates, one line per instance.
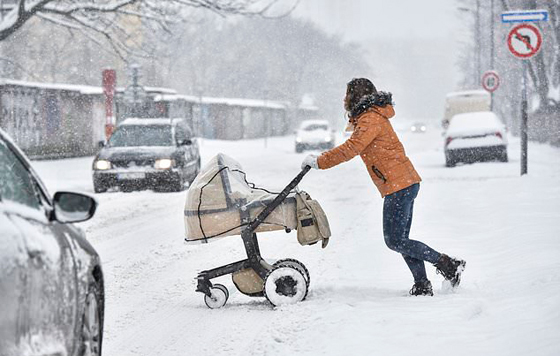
(221, 202)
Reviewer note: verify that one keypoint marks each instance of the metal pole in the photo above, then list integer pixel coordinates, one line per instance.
(266, 114)
(524, 121)
(492, 49)
(477, 41)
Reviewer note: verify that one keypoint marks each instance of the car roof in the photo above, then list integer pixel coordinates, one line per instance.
(468, 93)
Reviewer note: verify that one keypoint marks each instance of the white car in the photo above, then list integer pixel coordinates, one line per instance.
(475, 136)
(314, 134)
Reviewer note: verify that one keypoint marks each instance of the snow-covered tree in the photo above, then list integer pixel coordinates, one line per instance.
(113, 20)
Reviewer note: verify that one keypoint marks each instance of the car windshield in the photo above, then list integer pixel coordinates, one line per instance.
(314, 127)
(142, 135)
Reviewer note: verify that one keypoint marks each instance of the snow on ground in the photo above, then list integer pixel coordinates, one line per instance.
(505, 226)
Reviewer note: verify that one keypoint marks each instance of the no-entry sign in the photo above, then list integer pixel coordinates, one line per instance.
(524, 41)
(490, 81)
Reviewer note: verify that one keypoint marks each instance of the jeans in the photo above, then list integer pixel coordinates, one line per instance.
(397, 219)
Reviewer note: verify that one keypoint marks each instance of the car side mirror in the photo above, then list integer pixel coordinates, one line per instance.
(101, 144)
(186, 142)
(73, 207)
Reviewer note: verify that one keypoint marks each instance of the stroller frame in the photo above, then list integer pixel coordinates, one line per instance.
(254, 259)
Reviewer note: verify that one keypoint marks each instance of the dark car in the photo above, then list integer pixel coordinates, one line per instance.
(159, 154)
(51, 282)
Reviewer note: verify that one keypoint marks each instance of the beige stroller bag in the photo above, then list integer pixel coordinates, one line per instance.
(312, 223)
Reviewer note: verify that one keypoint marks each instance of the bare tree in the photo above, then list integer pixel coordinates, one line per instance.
(111, 20)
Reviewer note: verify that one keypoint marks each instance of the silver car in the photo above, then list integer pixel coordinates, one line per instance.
(51, 282)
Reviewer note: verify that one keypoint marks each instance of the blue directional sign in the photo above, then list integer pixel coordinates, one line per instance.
(525, 16)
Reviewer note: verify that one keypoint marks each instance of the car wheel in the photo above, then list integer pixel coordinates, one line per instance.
(176, 185)
(504, 156)
(299, 149)
(449, 162)
(99, 187)
(92, 323)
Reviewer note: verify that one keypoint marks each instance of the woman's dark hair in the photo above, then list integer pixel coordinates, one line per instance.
(355, 90)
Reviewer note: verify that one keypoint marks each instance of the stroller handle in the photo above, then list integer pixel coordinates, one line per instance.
(278, 200)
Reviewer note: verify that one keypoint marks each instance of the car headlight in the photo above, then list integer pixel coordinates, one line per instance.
(423, 128)
(413, 128)
(164, 163)
(328, 139)
(298, 139)
(102, 165)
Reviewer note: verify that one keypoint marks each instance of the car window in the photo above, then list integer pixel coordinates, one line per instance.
(315, 127)
(142, 135)
(16, 183)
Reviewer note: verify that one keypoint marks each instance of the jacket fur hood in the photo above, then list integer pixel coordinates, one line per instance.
(381, 99)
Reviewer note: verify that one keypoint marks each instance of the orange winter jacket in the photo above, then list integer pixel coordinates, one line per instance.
(383, 154)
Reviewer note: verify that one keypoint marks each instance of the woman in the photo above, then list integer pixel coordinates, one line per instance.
(374, 139)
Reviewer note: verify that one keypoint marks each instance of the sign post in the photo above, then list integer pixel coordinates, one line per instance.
(524, 119)
(109, 81)
(524, 41)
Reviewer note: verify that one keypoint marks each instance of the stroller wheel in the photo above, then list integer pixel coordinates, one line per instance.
(285, 285)
(297, 265)
(219, 297)
(291, 262)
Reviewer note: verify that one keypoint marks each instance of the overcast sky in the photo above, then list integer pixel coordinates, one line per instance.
(413, 45)
(366, 19)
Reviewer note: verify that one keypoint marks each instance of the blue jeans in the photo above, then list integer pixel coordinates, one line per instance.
(397, 219)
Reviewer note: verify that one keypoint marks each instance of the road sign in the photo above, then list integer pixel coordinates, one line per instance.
(490, 81)
(524, 16)
(524, 40)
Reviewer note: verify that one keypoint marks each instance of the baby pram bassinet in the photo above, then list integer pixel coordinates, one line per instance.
(221, 202)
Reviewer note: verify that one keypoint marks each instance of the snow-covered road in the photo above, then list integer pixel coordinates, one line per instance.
(505, 226)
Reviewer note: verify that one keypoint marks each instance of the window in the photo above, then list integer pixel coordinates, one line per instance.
(16, 183)
(314, 127)
(141, 135)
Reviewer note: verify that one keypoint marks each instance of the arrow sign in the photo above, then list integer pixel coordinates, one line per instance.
(525, 16)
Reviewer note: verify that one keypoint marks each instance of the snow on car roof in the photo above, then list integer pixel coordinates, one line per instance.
(473, 123)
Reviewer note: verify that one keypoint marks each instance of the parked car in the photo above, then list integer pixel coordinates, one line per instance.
(475, 136)
(314, 134)
(51, 282)
(160, 154)
(418, 127)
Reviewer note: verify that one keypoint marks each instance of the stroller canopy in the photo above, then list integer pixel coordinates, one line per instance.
(220, 202)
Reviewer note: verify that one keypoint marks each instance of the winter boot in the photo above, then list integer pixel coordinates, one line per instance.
(422, 288)
(450, 268)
